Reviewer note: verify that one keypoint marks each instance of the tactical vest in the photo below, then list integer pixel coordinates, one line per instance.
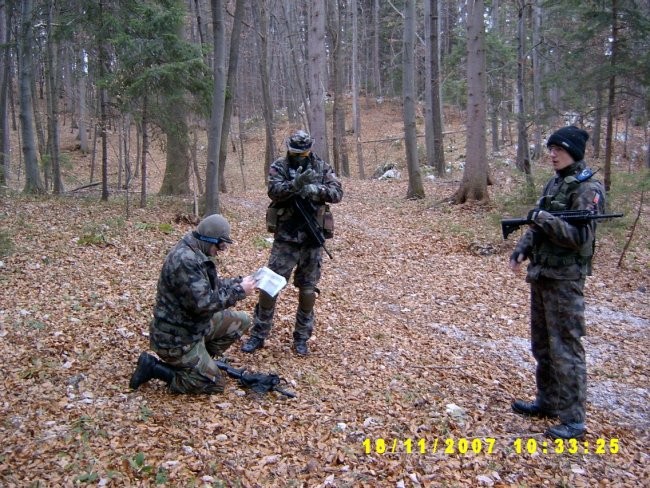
(546, 252)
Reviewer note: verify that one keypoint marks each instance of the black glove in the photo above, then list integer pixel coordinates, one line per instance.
(311, 191)
(303, 178)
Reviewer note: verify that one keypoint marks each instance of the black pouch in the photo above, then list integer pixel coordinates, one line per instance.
(272, 219)
(327, 223)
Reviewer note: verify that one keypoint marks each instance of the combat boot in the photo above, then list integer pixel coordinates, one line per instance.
(300, 346)
(566, 431)
(150, 368)
(253, 344)
(531, 409)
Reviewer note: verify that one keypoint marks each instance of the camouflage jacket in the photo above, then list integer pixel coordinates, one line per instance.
(558, 249)
(290, 225)
(189, 293)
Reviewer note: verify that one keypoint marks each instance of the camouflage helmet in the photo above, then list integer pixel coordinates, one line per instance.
(299, 142)
(214, 229)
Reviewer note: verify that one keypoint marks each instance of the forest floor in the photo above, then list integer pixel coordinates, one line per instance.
(421, 343)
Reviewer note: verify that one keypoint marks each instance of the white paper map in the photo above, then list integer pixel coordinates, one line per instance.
(269, 281)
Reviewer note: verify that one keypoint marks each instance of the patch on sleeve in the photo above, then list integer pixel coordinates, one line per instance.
(273, 171)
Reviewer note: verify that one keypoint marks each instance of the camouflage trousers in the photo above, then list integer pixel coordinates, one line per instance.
(196, 371)
(285, 256)
(557, 324)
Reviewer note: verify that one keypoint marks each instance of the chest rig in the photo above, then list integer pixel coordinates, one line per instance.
(559, 195)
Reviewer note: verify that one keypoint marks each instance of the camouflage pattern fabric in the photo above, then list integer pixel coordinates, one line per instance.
(293, 246)
(560, 258)
(196, 368)
(285, 256)
(557, 324)
(291, 226)
(559, 250)
(191, 322)
(190, 292)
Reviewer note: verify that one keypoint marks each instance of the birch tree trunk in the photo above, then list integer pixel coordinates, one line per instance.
(415, 188)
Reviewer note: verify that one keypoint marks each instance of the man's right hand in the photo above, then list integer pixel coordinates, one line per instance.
(516, 258)
(248, 284)
(303, 178)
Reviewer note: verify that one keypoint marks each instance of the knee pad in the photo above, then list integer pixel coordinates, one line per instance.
(306, 299)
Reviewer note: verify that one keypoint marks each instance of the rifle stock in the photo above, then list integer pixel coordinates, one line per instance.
(508, 226)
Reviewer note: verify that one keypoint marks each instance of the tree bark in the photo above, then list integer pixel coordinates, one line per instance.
(475, 176)
(53, 104)
(5, 146)
(433, 121)
(339, 143)
(356, 115)
(216, 118)
(523, 154)
(316, 86)
(267, 105)
(33, 181)
(233, 60)
(611, 99)
(415, 188)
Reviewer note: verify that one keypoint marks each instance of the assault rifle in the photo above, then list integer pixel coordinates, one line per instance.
(259, 382)
(314, 230)
(508, 226)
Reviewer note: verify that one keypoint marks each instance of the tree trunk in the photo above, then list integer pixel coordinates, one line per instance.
(233, 60)
(177, 165)
(611, 99)
(103, 102)
(475, 176)
(53, 104)
(5, 146)
(356, 115)
(316, 50)
(598, 120)
(339, 144)
(145, 150)
(33, 181)
(218, 100)
(523, 155)
(415, 188)
(538, 102)
(261, 19)
(433, 121)
(81, 104)
(376, 62)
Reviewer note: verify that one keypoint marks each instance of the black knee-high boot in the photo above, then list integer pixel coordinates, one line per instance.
(150, 368)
